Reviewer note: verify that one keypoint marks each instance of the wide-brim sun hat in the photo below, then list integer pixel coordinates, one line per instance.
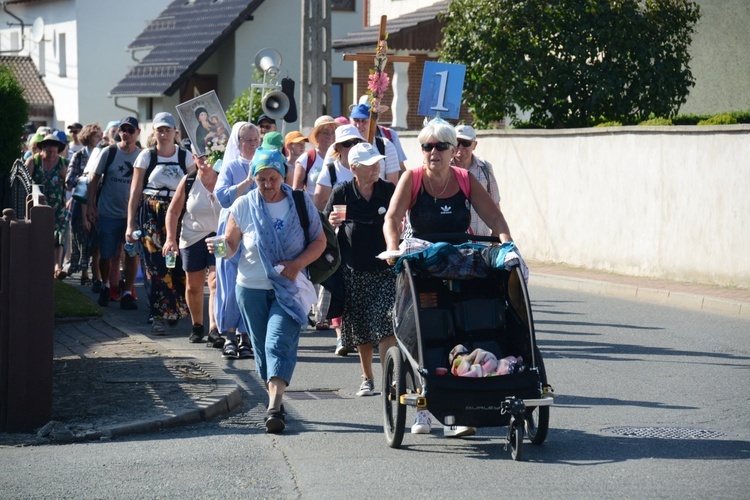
(347, 132)
(365, 99)
(49, 140)
(321, 122)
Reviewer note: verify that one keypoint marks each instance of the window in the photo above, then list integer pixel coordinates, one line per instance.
(42, 58)
(343, 5)
(342, 95)
(62, 55)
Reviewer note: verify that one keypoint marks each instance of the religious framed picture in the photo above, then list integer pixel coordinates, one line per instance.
(205, 122)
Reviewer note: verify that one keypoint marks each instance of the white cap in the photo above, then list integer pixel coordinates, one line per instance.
(466, 132)
(364, 154)
(347, 132)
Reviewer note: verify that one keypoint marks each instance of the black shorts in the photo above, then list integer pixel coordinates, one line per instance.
(196, 256)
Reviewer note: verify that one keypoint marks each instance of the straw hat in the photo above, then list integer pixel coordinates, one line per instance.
(321, 122)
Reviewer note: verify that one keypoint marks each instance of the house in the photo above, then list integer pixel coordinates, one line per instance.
(35, 92)
(720, 59)
(121, 67)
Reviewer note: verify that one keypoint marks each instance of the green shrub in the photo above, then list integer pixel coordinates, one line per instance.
(656, 122)
(609, 124)
(720, 119)
(240, 108)
(689, 119)
(15, 114)
(742, 116)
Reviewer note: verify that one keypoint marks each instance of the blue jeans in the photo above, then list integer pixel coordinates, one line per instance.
(273, 332)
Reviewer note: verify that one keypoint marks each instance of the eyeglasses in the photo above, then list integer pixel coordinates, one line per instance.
(265, 126)
(465, 143)
(440, 146)
(350, 143)
(127, 130)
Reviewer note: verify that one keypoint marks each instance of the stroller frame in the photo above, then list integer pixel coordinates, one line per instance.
(431, 316)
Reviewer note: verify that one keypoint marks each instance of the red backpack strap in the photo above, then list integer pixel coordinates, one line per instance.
(386, 133)
(464, 182)
(416, 183)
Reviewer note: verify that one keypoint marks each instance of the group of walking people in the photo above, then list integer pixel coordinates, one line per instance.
(173, 204)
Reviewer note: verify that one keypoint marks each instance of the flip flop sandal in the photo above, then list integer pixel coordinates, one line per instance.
(229, 351)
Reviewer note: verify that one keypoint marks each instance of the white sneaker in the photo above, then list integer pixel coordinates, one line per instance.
(422, 423)
(367, 388)
(454, 431)
(158, 326)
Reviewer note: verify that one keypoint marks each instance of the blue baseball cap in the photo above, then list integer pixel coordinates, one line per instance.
(360, 112)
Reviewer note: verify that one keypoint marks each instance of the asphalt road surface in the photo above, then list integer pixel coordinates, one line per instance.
(650, 402)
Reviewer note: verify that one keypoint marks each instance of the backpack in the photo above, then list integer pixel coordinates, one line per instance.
(332, 173)
(189, 181)
(330, 260)
(462, 176)
(154, 158)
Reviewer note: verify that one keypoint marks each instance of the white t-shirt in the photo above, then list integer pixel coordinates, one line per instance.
(343, 174)
(201, 215)
(167, 173)
(313, 173)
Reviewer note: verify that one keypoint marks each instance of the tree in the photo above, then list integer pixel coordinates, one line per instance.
(15, 114)
(572, 63)
(239, 110)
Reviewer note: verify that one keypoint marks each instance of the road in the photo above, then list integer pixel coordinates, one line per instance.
(617, 367)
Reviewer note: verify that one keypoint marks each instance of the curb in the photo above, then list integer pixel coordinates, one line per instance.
(660, 296)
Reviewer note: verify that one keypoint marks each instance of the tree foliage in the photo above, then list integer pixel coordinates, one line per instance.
(572, 63)
(239, 110)
(15, 114)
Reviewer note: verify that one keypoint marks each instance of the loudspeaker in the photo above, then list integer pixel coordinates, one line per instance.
(287, 87)
(268, 61)
(275, 104)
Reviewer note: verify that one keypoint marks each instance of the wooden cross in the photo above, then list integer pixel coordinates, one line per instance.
(364, 57)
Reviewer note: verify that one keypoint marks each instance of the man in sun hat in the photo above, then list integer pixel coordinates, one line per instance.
(390, 169)
(388, 133)
(463, 157)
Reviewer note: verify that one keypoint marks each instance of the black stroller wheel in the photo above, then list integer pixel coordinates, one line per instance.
(394, 385)
(516, 439)
(537, 424)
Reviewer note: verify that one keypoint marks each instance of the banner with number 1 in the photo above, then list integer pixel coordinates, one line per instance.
(442, 86)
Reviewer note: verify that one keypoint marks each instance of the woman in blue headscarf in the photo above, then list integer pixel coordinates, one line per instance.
(273, 291)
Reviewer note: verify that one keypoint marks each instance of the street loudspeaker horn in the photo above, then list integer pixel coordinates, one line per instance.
(268, 61)
(275, 104)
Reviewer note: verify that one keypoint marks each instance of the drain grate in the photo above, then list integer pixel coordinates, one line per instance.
(314, 394)
(664, 432)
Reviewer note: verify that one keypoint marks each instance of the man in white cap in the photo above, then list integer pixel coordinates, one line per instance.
(464, 157)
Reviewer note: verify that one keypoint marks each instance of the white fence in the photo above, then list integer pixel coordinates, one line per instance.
(663, 202)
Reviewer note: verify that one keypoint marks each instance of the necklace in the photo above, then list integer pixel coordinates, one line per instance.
(435, 197)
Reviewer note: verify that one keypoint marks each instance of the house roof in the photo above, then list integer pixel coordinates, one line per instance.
(180, 41)
(35, 91)
(418, 30)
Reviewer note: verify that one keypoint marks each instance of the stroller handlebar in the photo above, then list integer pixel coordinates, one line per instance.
(458, 237)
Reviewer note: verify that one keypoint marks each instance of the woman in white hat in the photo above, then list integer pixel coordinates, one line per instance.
(308, 166)
(49, 169)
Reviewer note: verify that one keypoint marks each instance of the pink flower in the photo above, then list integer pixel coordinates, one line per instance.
(378, 83)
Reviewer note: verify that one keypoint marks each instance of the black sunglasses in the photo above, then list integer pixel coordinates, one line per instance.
(465, 143)
(440, 146)
(127, 130)
(349, 143)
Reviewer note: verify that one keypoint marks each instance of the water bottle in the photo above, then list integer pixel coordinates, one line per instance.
(130, 247)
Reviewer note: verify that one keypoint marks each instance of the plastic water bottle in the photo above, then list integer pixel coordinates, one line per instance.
(130, 248)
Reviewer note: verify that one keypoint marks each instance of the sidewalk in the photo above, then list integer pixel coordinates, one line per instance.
(113, 378)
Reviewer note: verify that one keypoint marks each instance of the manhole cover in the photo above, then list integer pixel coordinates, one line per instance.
(665, 432)
(314, 394)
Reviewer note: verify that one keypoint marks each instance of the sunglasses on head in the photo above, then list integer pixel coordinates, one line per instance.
(127, 130)
(350, 143)
(440, 146)
(465, 143)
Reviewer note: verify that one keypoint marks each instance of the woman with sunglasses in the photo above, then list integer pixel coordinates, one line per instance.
(441, 202)
(437, 198)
